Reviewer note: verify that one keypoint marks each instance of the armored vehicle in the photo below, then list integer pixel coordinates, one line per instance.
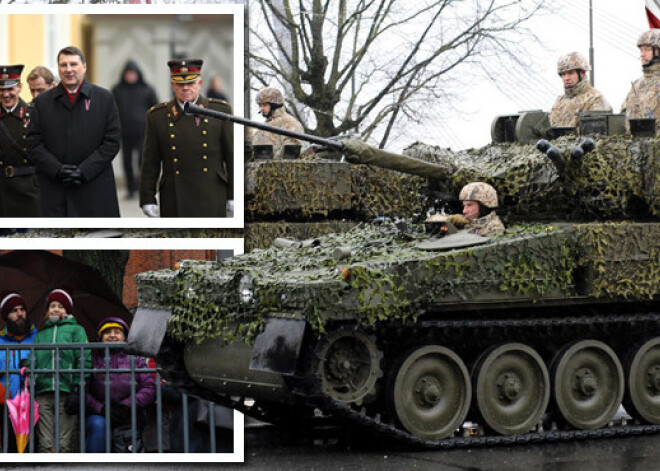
(437, 336)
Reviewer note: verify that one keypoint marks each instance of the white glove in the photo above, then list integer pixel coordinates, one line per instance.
(230, 206)
(151, 210)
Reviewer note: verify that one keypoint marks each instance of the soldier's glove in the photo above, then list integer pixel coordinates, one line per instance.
(151, 210)
(230, 206)
(353, 148)
(120, 414)
(72, 401)
(458, 220)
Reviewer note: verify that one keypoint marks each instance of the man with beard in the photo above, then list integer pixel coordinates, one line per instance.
(18, 331)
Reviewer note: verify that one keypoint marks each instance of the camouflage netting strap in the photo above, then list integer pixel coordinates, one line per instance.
(620, 259)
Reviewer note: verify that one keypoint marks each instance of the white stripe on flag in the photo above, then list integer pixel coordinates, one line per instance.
(654, 7)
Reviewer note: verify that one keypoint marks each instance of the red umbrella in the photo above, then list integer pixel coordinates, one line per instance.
(35, 273)
(19, 413)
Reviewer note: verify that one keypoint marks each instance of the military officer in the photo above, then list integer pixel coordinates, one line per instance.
(642, 101)
(19, 190)
(578, 95)
(195, 153)
(271, 106)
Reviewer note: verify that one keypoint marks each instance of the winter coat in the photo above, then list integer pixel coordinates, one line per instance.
(188, 160)
(15, 357)
(280, 119)
(120, 383)
(19, 184)
(133, 100)
(643, 99)
(581, 97)
(87, 134)
(61, 332)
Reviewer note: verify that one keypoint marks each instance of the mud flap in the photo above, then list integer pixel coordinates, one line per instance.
(276, 349)
(147, 331)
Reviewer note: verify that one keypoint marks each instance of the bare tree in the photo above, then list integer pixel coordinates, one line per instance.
(365, 66)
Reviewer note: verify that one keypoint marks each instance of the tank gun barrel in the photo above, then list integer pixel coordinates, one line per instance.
(191, 108)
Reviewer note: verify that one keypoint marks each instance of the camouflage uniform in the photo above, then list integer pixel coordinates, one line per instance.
(279, 118)
(486, 195)
(581, 97)
(643, 100)
(487, 225)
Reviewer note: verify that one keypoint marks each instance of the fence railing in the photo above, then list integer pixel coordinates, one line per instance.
(196, 435)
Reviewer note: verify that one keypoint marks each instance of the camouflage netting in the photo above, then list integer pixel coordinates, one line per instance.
(620, 259)
(263, 234)
(386, 277)
(307, 189)
(621, 178)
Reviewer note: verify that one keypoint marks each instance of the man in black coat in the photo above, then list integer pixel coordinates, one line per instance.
(133, 97)
(72, 138)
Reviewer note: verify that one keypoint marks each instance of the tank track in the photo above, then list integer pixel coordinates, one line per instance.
(310, 393)
(171, 366)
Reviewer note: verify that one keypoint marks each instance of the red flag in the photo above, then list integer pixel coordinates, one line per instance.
(653, 13)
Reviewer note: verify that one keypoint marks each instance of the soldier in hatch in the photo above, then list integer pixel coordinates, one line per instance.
(479, 202)
(643, 101)
(578, 95)
(271, 106)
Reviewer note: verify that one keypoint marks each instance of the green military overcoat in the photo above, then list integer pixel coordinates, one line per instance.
(19, 186)
(188, 160)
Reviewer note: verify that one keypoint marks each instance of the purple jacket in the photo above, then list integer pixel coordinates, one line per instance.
(120, 383)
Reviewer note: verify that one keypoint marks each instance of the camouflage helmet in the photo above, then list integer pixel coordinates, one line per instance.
(480, 192)
(572, 61)
(649, 38)
(270, 95)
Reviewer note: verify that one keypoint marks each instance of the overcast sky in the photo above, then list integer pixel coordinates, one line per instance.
(617, 25)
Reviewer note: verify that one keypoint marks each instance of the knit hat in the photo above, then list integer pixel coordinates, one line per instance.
(62, 297)
(10, 301)
(110, 322)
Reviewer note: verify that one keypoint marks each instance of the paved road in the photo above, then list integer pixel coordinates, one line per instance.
(268, 449)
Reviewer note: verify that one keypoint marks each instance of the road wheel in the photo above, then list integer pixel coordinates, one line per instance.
(588, 384)
(642, 398)
(512, 388)
(431, 392)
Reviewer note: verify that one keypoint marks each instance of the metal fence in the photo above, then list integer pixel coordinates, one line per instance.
(157, 437)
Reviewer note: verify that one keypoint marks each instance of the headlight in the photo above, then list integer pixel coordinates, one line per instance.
(245, 291)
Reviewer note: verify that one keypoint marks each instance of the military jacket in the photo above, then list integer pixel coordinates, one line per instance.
(643, 100)
(487, 225)
(19, 187)
(188, 161)
(281, 119)
(581, 97)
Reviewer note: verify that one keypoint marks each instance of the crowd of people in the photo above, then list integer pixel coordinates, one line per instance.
(130, 405)
(58, 149)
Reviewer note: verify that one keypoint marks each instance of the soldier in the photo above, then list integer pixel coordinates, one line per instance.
(271, 106)
(643, 100)
(196, 153)
(479, 202)
(578, 95)
(19, 190)
(39, 80)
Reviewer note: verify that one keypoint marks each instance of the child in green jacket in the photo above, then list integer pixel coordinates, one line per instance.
(60, 328)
